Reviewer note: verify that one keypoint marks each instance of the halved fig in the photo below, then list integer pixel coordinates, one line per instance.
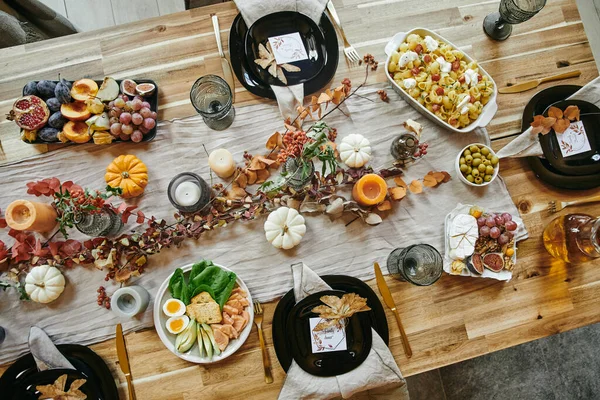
(128, 87)
(145, 89)
(475, 264)
(494, 262)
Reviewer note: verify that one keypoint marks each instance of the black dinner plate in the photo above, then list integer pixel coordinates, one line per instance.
(343, 283)
(358, 339)
(23, 374)
(540, 166)
(586, 163)
(246, 70)
(152, 99)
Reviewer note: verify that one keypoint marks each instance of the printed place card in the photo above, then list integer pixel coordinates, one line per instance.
(574, 140)
(330, 339)
(288, 48)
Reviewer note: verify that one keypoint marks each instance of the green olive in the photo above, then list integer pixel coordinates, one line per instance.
(467, 152)
(485, 151)
(487, 178)
(489, 170)
(481, 168)
(469, 169)
(474, 149)
(469, 159)
(476, 162)
(463, 167)
(475, 172)
(462, 160)
(489, 156)
(476, 155)
(470, 178)
(495, 160)
(487, 162)
(478, 180)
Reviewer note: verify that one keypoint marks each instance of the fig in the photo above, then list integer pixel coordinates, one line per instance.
(57, 120)
(63, 91)
(145, 89)
(45, 89)
(475, 264)
(48, 134)
(128, 87)
(53, 104)
(29, 112)
(30, 89)
(493, 261)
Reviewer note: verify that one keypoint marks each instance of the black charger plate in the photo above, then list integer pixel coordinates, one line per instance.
(244, 67)
(347, 284)
(152, 99)
(23, 373)
(542, 168)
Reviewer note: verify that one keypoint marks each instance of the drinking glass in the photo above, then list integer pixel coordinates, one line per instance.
(498, 25)
(211, 97)
(419, 264)
(105, 223)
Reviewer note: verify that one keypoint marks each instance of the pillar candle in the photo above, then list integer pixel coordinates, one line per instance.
(371, 189)
(24, 215)
(221, 162)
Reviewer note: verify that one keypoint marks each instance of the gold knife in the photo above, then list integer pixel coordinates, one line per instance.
(124, 360)
(389, 301)
(225, 65)
(521, 87)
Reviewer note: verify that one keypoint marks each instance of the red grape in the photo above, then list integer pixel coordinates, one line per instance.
(125, 137)
(119, 102)
(499, 220)
(137, 136)
(484, 231)
(143, 129)
(137, 119)
(115, 129)
(127, 129)
(511, 225)
(494, 232)
(149, 123)
(154, 115)
(490, 221)
(481, 221)
(136, 104)
(146, 113)
(503, 239)
(111, 104)
(113, 120)
(146, 104)
(125, 118)
(507, 217)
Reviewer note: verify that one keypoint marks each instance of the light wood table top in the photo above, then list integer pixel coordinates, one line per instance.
(453, 320)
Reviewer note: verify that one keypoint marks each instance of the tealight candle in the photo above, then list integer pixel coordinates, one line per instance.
(188, 192)
(221, 162)
(371, 189)
(24, 215)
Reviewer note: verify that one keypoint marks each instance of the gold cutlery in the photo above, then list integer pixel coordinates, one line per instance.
(349, 50)
(225, 65)
(556, 206)
(124, 360)
(522, 87)
(389, 301)
(258, 318)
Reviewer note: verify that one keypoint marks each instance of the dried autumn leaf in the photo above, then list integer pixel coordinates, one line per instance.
(252, 177)
(290, 68)
(555, 112)
(235, 192)
(397, 193)
(262, 175)
(536, 124)
(400, 182)
(274, 141)
(337, 308)
(373, 219)
(572, 113)
(338, 96)
(547, 124)
(256, 164)
(265, 160)
(561, 125)
(290, 127)
(384, 206)
(416, 186)
(447, 176)
(122, 275)
(281, 75)
(429, 181)
(439, 176)
(242, 180)
(324, 98)
(314, 104)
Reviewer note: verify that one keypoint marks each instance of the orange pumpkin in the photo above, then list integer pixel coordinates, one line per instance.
(129, 173)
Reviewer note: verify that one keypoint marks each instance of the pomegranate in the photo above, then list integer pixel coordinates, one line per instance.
(29, 112)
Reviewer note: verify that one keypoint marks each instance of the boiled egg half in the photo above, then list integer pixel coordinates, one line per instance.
(176, 325)
(174, 308)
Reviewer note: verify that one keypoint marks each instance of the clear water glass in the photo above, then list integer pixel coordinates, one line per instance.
(419, 264)
(211, 96)
(498, 25)
(105, 223)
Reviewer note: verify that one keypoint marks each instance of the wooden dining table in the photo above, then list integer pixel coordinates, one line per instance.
(455, 319)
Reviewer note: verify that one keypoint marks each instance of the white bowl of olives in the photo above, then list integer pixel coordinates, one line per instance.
(477, 165)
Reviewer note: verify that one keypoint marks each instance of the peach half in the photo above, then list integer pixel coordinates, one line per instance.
(77, 131)
(75, 111)
(84, 88)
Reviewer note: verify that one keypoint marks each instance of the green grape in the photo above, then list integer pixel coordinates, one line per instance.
(470, 178)
(487, 178)
(495, 160)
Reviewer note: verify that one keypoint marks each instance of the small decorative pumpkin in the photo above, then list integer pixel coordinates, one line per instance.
(129, 173)
(44, 283)
(355, 150)
(284, 228)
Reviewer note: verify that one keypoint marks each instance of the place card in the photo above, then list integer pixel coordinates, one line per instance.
(288, 48)
(330, 339)
(574, 140)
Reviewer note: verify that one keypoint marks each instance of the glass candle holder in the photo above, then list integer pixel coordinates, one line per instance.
(188, 192)
(419, 264)
(105, 223)
(498, 25)
(211, 96)
(404, 147)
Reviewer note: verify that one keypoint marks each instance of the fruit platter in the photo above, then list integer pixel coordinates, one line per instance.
(85, 110)
(481, 243)
(203, 312)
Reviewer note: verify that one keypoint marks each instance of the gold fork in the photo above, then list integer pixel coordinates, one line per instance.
(258, 318)
(349, 50)
(556, 206)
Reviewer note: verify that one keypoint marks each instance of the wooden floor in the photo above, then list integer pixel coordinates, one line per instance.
(89, 15)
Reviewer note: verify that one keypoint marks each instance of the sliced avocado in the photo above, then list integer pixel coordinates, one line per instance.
(207, 345)
(199, 335)
(211, 336)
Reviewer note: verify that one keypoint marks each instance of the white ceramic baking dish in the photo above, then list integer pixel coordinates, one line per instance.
(489, 110)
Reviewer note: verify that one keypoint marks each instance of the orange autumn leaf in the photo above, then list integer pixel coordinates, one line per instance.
(416, 186)
(439, 176)
(256, 164)
(251, 177)
(262, 175)
(536, 125)
(337, 97)
(555, 112)
(397, 193)
(400, 182)
(572, 113)
(323, 98)
(235, 192)
(290, 127)
(447, 177)
(242, 180)
(384, 206)
(561, 125)
(276, 140)
(429, 181)
(265, 160)
(314, 104)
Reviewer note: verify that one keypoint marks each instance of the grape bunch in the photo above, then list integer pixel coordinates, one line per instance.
(131, 119)
(497, 226)
(421, 149)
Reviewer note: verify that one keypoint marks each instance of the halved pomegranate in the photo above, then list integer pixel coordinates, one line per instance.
(29, 112)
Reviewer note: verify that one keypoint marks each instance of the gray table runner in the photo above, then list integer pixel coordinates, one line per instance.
(328, 247)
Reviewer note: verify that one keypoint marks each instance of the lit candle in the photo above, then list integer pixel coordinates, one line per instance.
(187, 194)
(24, 215)
(221, 162)
(371, 189)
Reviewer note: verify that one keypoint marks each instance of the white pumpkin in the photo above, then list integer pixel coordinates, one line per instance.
(355, 150)
(44, 283)
(284, 228)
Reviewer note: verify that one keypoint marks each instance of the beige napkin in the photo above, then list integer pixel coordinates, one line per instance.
(378, 377)
(288, 97)
(528, 145)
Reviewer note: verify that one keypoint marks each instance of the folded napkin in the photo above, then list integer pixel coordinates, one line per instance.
(378, 377)
(288, 97)
(528, 145)
(44, 352)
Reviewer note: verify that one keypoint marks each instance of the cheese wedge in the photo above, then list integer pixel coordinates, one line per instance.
(463, 235)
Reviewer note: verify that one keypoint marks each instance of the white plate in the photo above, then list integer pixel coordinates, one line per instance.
(489, 110)
(193, 354)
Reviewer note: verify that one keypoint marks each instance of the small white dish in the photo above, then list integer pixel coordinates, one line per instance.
(192, 355)
(462, 177)
(489, 110)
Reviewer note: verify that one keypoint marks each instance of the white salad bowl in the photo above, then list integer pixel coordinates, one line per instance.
(489, 110)
(192, 355)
